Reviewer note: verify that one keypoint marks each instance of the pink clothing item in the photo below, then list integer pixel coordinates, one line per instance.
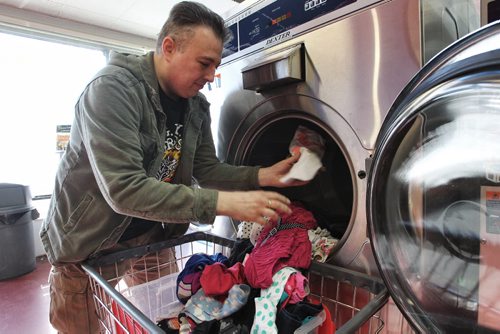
(188, 285)
(217, 280)
(297, 288)
(286, 248)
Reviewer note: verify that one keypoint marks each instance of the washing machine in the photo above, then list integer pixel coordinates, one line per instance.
(410, 183)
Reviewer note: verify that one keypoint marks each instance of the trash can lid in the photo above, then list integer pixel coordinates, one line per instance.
(14, 198)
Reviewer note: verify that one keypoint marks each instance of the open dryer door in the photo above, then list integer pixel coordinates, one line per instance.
(433, 199)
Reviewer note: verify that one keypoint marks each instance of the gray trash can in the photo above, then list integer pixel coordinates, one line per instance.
(17, 245)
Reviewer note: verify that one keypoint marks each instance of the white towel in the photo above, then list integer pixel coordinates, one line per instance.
(305, 168)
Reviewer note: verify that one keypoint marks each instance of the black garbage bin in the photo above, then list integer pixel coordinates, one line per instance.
(17, 245)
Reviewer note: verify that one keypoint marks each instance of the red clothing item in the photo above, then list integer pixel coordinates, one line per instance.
(217, 280)
(328, 326)
(287, 248)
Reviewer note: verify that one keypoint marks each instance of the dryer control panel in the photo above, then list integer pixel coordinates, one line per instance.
(268, 23)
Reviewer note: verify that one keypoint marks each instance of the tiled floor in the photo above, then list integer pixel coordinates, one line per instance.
(24, 302)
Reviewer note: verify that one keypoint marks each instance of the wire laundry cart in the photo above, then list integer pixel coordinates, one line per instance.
(353, 299)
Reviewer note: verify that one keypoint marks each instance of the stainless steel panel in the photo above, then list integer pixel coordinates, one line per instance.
(354, 69)
(284, 67)
(357, 66)
(445, 21)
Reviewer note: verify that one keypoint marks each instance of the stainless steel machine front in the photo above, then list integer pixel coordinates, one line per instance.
(339, 73)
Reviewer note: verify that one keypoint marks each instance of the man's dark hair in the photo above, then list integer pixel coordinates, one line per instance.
(187, 15)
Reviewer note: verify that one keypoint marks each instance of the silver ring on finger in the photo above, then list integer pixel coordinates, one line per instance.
(266, 219)
(269, 204)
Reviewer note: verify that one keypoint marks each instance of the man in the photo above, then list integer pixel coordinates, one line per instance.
(141, 134)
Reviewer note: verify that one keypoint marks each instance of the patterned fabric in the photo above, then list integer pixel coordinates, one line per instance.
(175, 111)
(255, 233)
(266, 305)
(249, 230)
(201, 308)
(322, 243)
(244, 230)
(188, 282)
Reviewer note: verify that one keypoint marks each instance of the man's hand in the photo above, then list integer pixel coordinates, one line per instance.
(253, 206)
(270, 176)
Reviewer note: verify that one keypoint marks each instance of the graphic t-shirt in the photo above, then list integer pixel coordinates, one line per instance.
(175, 109)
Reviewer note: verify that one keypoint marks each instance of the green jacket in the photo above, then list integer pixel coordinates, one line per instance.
(107, 174)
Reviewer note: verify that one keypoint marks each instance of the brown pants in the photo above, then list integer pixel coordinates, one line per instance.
(72, 309)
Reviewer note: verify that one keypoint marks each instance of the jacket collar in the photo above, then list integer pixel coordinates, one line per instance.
(143, 68)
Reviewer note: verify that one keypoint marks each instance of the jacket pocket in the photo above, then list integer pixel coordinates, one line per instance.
(78, 213)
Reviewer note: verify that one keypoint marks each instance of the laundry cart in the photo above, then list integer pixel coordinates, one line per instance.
(352, 299)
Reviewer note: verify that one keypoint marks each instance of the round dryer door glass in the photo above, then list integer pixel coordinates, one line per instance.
(434, 207)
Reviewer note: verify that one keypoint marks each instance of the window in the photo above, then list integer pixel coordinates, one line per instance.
(40, 83)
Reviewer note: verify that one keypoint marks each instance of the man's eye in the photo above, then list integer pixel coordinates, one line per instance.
(204, 64)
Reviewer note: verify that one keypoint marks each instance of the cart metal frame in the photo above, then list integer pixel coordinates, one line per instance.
(352, 298)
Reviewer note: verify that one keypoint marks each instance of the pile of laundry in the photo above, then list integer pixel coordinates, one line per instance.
(261, 287)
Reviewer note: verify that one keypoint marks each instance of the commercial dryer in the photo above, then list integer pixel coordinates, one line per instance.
(411, 177)
(332, 66)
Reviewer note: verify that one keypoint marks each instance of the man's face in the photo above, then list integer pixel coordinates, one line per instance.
(193, 65)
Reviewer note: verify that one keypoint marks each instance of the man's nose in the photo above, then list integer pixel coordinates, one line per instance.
(210, 74)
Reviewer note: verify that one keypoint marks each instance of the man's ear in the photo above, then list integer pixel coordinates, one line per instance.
(168, 46)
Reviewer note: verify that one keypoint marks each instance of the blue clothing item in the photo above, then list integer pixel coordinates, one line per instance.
(201, 308)
(196, 263)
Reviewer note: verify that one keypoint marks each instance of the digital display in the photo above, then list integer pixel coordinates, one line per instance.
(280, 16)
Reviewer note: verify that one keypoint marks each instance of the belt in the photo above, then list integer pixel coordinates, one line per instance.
(280, 227)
